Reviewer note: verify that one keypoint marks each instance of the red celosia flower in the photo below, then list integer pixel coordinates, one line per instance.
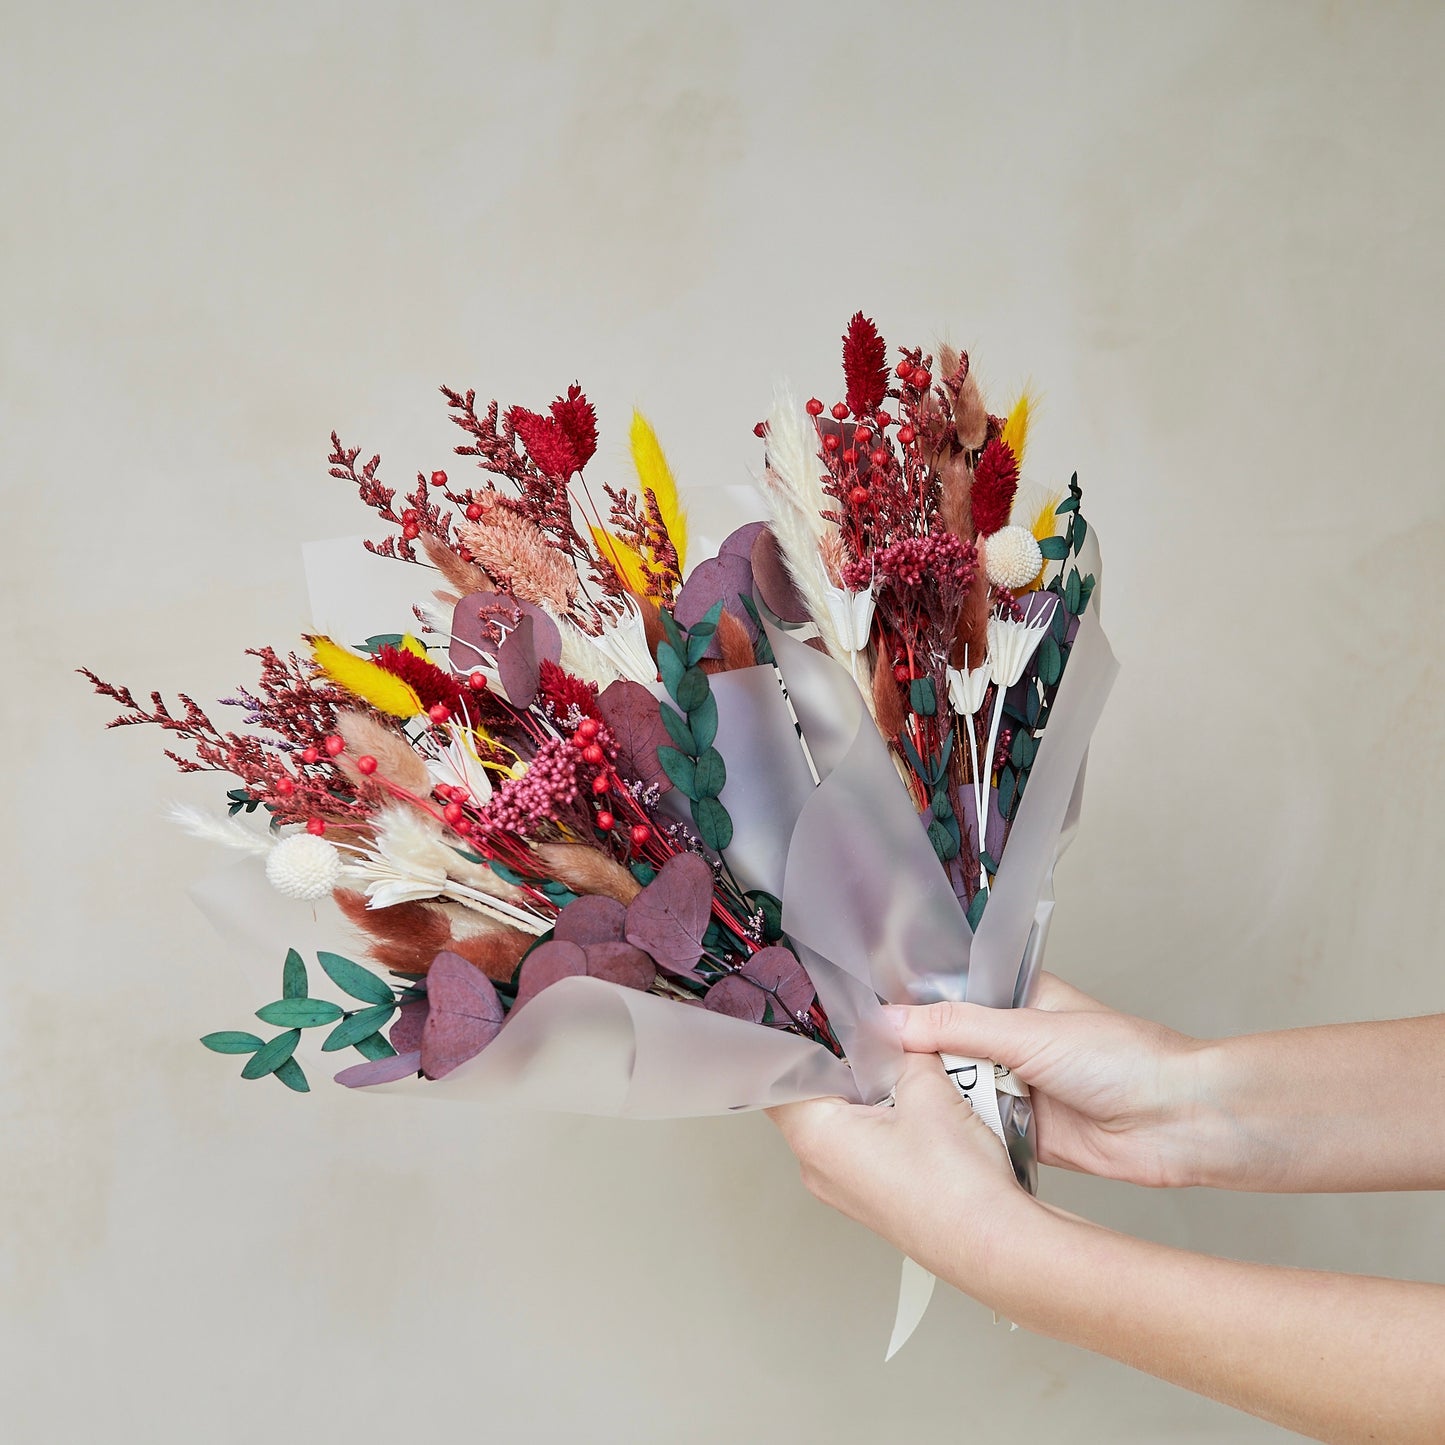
(865, 366)
(995, 480)
(563, 691)
(575, 415)
(425, 678)
(546, 441)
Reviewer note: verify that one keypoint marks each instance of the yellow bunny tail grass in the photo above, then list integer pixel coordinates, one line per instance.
(655, 476)
(1044, 524)
(625, 558)
(1016, 428)
(364, 679)
(413, 645)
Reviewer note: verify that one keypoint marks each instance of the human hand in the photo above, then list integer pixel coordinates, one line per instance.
(1113, 1095)
(923, 1172)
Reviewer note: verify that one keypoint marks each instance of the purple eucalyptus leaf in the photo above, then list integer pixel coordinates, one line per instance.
(621, 963)
(545, 965)
(737, 997)
(725, 578)
(591, 919)
(777, 969)
(773, 581)
(630, 711)
(669, 917)
(381, 1071)
(464, 1014)
(406, 1031)
(481, 618)
(518, 664)
(740, 542)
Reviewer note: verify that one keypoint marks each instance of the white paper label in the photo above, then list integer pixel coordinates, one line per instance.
(979, 1083)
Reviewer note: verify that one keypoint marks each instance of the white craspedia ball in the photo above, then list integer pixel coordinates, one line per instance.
(303, 866)
(1012, 557)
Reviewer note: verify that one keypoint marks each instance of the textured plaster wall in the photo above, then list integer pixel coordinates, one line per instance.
(1211, 234)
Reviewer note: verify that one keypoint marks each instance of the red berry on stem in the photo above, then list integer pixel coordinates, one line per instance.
(366, 764)
(900, 672)
(863, 436)
(335, 745)
(878, 456)
(315, 827)
(588, 727)
(285, 787)
(840, 411)
(593, 754)
(409, 515)
(904, 370)
(815, 407)
(760, 430)
(477, 682)
(858, 496)
(883, 421)
(921, 378)
(606, 822)
(831, 443)
(438, 479)
(474, 511)
(906, 435)
(850, 457)
(640, 834)
(453, 813)
(439, 713)
(411, 531)
(601, 783)
(310, 755)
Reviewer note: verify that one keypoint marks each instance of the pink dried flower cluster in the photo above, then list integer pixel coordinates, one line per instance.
(550, 787)
(940, 558)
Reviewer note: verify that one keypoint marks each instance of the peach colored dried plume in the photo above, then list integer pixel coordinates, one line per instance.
(465, 577)
(396, 759)
(970, 415)
(888, 709)
(733, 641)
(651, 622)
(587, 870)
(830, 549)
(954, 507)
(516, 553)
(405, 937)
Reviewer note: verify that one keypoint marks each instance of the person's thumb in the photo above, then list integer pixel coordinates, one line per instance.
(1011, 1037)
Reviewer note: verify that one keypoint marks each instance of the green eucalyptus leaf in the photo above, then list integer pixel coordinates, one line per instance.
(268, 1059)
(1022, 752)
(703, 722)
(670, 668)
(698, 642)
(232, 1041)
(691, 689)
(671, 631)
(710, 776)
(293, 975)
(1054, 549)
(678, 730)
(921, 697)
(293, 1076)
(714, 823)
(940, 805)
(352, 978)
(362, 1024)
(1081, 530)
(1006, 783)
(373, 645)
(988, 861)
(299, 1013)
(1073, 593)
(374, 1046)
(680, 769)
(643, 871)
(1050, 661)
(1069, 504)
(943, 841)
(1032, 703)
(975, 909)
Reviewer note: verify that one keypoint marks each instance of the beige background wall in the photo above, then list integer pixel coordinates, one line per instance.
(1213, 236)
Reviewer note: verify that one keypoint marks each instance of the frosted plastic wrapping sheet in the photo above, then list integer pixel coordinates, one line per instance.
(864, 898)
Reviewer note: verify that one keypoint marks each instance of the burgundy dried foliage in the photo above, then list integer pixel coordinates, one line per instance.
(631, 712)
(464, 1015)
(669, 917)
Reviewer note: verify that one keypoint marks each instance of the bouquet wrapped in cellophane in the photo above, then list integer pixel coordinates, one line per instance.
(622, 836)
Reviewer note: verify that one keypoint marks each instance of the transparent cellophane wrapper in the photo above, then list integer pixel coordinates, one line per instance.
(866, 903)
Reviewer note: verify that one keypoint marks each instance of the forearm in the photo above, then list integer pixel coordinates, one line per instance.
(1335, 1109)
(1340, 1357)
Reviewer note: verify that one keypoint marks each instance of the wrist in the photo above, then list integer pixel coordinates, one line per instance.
(1209, 1144)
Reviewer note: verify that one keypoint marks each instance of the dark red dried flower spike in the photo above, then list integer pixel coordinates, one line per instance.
(425, 678)
(547, 443)
(995, 480)
(865, 366)
(578, 420)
